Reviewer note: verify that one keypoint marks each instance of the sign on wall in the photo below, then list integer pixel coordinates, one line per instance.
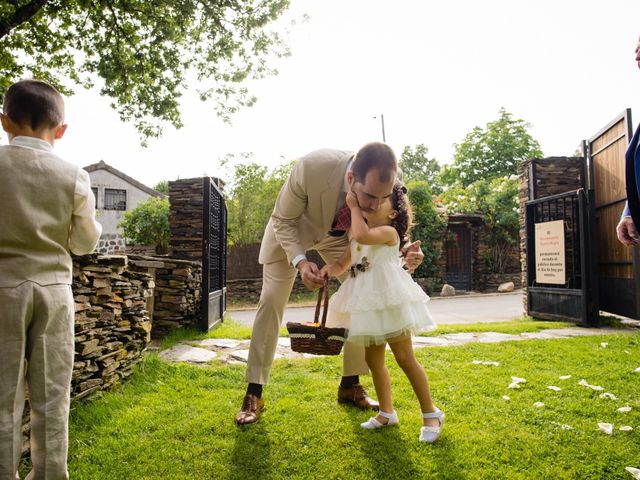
(549, 248)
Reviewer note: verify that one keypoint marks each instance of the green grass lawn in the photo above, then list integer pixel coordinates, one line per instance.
(175, 421)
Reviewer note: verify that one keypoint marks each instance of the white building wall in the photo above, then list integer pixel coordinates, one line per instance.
(111, 239)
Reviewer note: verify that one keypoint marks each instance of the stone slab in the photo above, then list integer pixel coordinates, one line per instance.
(186, 353)
(216, 343)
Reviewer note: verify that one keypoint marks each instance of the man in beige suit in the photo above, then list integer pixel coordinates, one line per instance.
(47, 209)
(308, 215)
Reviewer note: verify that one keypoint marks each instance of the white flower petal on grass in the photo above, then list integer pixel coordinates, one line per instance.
(637, 369)
(538, 404)
(608, 395)
(518, 380)
(635, 472)
(506, 397)
(514, 385)
(564, 377)
(554, 388)
(584, 383)
(625, 428)
(606, 427)
(625, 409)
(485, 362)
(563, 426)
(604, 344)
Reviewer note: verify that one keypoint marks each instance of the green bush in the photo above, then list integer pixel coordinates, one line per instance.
(148, 224)
(429, 227)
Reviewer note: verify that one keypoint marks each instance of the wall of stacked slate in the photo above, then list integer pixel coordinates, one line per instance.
(177, 294)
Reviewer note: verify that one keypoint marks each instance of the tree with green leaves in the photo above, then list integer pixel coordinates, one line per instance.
(162, 186)
(416, 165)
(496, 200)
(490, 152)
(143, 51)
(252, 193)
(429, 227)
(148, 224)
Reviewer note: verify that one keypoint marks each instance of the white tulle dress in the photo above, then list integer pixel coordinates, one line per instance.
(379, 301)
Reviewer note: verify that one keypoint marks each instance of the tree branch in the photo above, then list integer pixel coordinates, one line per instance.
(21, 15)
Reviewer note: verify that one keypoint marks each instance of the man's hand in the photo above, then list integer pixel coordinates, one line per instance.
(413, 255)
(627, 232)
(310, 275)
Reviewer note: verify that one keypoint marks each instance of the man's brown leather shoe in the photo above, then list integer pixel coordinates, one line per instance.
(357, 396)
(250, 411)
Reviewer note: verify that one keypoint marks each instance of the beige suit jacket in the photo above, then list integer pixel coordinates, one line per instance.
(306, 205)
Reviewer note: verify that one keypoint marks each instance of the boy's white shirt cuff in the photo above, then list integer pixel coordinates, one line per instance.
(297, 260)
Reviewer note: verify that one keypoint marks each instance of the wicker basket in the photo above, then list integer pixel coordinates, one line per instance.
(317, 339)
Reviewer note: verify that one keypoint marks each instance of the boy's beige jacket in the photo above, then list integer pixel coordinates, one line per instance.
(306, 205)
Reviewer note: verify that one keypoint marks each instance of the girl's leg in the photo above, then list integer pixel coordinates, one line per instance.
(374, 355)
(403, 352)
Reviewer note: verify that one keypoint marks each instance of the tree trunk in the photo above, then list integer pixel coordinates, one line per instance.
(21, 15)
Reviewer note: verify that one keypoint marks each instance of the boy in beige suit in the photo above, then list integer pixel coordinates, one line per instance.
(47, 209)
(309, 215)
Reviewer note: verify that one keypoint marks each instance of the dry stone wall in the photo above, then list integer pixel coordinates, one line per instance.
(177, 294)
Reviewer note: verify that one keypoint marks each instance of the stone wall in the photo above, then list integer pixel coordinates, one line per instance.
(539, 178)
(177, 295)
(112, 322)
(111, 243)
(185, 218)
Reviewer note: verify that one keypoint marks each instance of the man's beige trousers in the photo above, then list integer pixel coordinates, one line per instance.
(36, 343)
(277, 282)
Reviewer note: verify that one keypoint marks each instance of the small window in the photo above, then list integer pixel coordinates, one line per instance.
(115, 199)
(95, 195)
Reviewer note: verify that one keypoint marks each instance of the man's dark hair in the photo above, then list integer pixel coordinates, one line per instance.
(374, 155)
(34, 103)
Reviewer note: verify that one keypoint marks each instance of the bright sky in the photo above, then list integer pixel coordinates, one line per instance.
(433, 69)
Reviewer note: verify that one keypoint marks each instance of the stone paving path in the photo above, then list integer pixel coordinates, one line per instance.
(236, 351)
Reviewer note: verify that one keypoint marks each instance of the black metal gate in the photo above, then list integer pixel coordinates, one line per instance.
(214, 256)
(576, 299)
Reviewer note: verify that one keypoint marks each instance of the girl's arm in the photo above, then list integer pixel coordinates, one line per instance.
(362, 233)
(335, 269)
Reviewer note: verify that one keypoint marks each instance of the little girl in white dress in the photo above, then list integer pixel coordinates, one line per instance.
(380, 303)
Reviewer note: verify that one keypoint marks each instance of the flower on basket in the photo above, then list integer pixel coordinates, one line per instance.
(363, 266)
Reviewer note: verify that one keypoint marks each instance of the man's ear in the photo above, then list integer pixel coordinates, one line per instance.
(59, 131)
(350, 179)
(6, 126)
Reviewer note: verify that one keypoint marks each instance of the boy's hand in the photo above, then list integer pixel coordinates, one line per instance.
(412, 255)
(351, 199)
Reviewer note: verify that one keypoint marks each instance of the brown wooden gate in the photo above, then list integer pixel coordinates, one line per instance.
(459, 257)
(618, 266)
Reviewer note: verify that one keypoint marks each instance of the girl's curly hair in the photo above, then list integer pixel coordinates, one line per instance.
(404, 218)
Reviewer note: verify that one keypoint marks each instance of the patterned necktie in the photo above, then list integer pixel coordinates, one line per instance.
(342, 221)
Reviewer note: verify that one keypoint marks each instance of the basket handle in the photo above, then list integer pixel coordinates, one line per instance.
(322, 292)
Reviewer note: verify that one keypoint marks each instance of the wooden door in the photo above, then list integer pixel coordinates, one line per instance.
(617, 265)
(459, 257)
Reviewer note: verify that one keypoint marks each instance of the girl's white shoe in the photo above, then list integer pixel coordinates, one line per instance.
(372, 423)
(431, 434)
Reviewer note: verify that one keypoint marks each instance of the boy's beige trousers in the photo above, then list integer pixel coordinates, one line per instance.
(36, 344)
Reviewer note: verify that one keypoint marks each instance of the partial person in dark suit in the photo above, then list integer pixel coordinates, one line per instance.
(627, 229)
